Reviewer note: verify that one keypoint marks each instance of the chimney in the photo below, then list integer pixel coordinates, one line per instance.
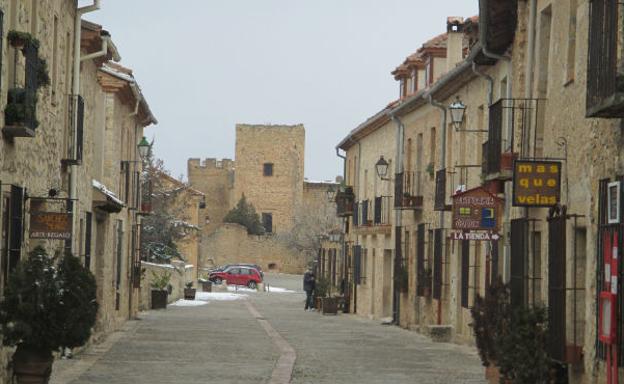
(455, 42)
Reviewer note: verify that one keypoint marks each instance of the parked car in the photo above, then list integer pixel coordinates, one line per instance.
(224, 267)
(237, 275)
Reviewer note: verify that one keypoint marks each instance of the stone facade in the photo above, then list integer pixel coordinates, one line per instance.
(269, 171)
(543, 115)
(279, 193)
(48, 164)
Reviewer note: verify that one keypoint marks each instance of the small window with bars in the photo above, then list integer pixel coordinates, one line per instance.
(267, 169)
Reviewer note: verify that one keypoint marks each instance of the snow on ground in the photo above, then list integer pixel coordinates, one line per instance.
(219, 296)
(278, 290)
(189, 303)
(234, 288)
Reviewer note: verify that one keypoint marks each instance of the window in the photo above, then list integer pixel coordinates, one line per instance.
(268, 169)
(571, 64)
(119, 251)
(267, 222)
(234, 271)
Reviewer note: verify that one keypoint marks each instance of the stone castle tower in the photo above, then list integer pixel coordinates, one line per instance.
(269, 171)
(215, 178)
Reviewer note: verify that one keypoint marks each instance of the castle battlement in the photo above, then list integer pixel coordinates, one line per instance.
(211, 163)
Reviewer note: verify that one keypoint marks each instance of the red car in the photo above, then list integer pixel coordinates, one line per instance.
(237, 275)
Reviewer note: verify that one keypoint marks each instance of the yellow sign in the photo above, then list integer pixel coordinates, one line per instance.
(536, 183)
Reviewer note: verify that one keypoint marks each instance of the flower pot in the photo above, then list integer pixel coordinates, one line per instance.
(159, 299)
(189, 293)
(506, 161)
(329, 306)
(492, 374)
(206, 286)
(31, 365)
(318, 303)
(146, 207)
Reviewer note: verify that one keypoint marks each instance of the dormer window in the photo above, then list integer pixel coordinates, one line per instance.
(402, 89)
(414, 81)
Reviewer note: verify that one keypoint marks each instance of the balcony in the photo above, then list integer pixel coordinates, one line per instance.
(605, 70)
(20, 113)
(407, 193)
(374, 214)
(344, 202)
(506, 116)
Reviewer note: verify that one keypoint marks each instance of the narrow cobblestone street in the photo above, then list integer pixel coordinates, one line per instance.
(223, 342)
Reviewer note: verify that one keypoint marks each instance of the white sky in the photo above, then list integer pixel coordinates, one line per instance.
(205, 65)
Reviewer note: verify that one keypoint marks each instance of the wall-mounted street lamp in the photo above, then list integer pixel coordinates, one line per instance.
(144, 148)
(330, 193)
(382, 168)
(458, 111)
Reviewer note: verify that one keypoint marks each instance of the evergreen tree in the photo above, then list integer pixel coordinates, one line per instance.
(245, 214)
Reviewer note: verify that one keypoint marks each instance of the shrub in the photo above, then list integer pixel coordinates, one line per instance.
(47, 307)
(245, 214)
(160, 281)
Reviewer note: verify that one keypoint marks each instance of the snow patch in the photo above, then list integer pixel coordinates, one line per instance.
(189, 303)
(279, 290)
(219, 296)
(231, 288)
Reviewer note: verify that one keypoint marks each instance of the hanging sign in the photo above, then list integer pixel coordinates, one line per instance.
(50, 225)
(476, 209)
(475, 236)
(536, 183)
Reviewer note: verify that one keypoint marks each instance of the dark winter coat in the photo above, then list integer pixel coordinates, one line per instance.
(309, 283)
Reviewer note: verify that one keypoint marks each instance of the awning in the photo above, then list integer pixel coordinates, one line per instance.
(106, 200)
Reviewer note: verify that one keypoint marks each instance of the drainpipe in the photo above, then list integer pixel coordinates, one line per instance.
(398, 216)
(443, 134)
(530, 62)
(442, 166)
(73, 170)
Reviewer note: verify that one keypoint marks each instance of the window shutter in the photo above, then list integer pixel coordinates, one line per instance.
(357, 263)
(437, 263)
(519, 241)
(420, 260)
(465, 271)
(16, 230)
(378, 201)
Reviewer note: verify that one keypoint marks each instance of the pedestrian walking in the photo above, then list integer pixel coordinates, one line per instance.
(309, 284)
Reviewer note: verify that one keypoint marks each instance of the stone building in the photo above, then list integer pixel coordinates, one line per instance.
(77, 155)
(269, 171)
(530, 79)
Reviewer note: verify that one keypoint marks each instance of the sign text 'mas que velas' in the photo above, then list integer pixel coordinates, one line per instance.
(536, 183)
(50, 225)
(476, 209)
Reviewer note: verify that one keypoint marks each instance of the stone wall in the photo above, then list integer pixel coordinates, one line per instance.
(230, 243)
(181, 273)
(214, 178)
(281, 193)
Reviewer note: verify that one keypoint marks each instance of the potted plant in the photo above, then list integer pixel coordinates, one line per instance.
(189, 291)
(46, 307)
(430, 169)
(321, 291)
(205, 283)
(159, 284)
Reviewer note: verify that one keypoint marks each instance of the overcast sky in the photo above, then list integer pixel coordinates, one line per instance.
(205, 65)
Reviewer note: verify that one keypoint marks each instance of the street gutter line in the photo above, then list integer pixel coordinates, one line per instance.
(282, 373)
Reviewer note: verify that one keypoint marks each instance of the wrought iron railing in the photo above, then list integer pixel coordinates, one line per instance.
(605, 76)
(407, 194)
